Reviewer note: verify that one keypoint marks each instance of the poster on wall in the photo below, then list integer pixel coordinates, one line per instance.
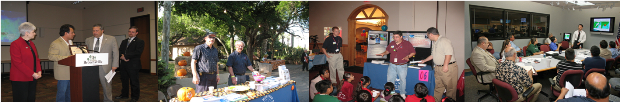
(417, 39)
(377, 42)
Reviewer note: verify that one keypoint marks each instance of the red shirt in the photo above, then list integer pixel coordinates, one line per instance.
(346, 92)
(399, 51)
(22, 62)
(413, 98)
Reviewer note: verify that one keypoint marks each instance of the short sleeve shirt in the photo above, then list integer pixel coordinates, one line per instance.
(399, 51)
(514, 75)
(206, 58)
(531, 49)
(440, 49)
(332, 43)
(239, 62)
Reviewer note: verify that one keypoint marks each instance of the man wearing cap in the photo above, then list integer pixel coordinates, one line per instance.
(446, 69)
(204, 65)
(237, 63)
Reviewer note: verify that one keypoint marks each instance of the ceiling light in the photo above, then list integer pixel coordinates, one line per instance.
(580, 2)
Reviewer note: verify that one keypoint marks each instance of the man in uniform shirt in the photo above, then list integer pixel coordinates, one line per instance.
(446, 69)
(331, 49)
(204, 65)
(400, 52)
(237, 63)
(578, 38)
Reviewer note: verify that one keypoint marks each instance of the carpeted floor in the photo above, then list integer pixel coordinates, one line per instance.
(472, 87)
(46, 88)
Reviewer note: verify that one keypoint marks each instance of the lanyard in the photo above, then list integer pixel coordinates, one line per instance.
(335, 41)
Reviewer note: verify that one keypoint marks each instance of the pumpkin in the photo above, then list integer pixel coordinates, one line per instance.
(182, 63)
(185, 93)
(181, 72)
(186, 54)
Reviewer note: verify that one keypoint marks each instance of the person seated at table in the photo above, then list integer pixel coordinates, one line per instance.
(421, 94)
(323, 75)
(396, 98)
(363, 85)
(553, 46)
(324, 87)
(548, 40)
(388, 91)
(505, 45)
(363, 96)
(568, 64)
(605, 53)
(597, 90)
(346, 88)
(484, 61)
(595, 61)
(519, 78)
(612, 49)
(532, 48)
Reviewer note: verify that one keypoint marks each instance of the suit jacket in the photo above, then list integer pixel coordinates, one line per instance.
(132, 53)
(483, 61)
(22, 66)
(59, 50)
(605, 53)
(108, 45)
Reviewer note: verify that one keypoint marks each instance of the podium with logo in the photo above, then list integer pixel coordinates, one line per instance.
(84, 70)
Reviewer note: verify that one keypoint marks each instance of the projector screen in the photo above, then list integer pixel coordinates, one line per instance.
(13, 14)
(602, 24)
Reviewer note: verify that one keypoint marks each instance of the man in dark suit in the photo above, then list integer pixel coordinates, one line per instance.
(305, 60)
(130, 49)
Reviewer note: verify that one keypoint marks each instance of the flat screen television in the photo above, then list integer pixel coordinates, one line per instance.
(602, 24)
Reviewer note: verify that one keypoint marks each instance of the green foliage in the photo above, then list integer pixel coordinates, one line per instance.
(165, 76)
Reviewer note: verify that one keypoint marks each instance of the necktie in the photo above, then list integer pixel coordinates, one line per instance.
(97, 45)
(128, 42)
(578, 36)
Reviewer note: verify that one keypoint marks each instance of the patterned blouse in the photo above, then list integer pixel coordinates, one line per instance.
(514, 75)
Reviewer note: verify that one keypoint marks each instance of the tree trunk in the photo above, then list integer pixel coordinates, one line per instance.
(223, 46)
(165, 44)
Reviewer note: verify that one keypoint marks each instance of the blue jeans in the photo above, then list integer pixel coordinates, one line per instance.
(401, 71)
(64, 91)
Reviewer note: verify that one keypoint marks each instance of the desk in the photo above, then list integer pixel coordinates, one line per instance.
(550, 63)
(378, 77)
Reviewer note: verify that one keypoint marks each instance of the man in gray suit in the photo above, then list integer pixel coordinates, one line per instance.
(104, 44)
(484, 61)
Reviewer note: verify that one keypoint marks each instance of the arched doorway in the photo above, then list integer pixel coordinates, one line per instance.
(366, 17)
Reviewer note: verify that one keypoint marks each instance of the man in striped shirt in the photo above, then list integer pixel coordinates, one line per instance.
(568, 64)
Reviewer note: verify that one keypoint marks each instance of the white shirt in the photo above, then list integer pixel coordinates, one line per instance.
(95, 42)
(70, 41)
(129, 41)
(582, 37)
(547, 40)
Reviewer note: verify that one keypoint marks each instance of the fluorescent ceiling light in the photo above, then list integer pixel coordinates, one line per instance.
(580, 2)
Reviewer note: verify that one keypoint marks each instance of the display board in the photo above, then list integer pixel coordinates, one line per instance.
(377, 42)
(418, 39)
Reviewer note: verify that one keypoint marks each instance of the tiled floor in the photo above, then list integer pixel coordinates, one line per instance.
(46, 88)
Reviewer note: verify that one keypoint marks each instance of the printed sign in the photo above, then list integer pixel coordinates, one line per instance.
(91, 59)
(423, 75)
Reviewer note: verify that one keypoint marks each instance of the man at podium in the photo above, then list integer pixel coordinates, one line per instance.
(59, 49)
(104, 44)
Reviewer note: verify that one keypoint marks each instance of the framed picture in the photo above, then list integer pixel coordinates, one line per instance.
(78, 50)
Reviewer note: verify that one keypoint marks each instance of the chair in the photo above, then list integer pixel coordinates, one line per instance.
(161, 96)
(524, 50)
(545, 48)
(172, 90)
(609, 66)
(506, 93)
(564, 45)
(572, 76)
(488, 92)
(602, 71)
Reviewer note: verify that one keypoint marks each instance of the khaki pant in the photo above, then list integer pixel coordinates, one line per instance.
(446, 81)
(335, 67)
(535, 92)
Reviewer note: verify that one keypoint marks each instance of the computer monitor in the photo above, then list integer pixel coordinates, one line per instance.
(567, 36)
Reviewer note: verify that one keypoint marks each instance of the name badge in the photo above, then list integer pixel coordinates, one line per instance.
(334, 43)
(337, 50)
(395, 60)
(392, 46)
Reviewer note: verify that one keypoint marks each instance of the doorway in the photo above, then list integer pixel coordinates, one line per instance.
(144, 28)
(363, 18)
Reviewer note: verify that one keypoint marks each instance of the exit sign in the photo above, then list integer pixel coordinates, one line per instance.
(140, 9)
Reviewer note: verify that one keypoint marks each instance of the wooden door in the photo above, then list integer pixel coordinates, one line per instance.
(144, 28)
